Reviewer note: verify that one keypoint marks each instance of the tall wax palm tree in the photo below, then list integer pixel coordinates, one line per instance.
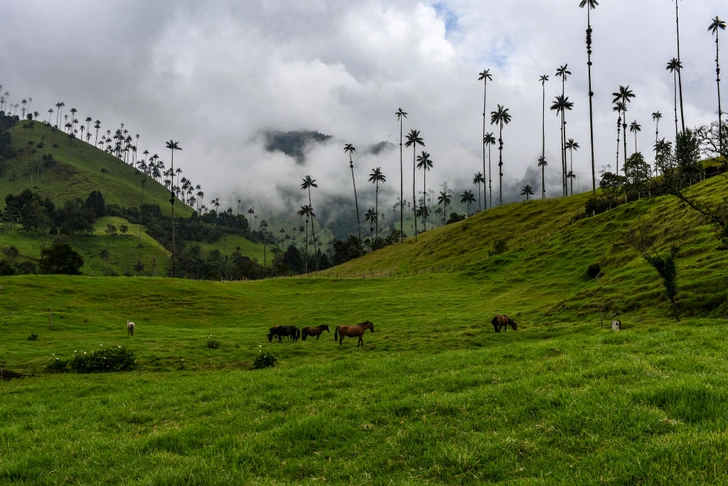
(590, 5)
(306, 211)
(251, 212)
(444, 198)
(400, 116)
(542, 163)
(635, 128)
(679, 71)
(60, 106)
(97, 126)
(489, 140)
(370, 216)
(618, 107)
(563, 72)
(561, 105)
(478, 179)
(715, 26)
(307, 184)
(527, 191)
(501, 117)
(467, 198)
(425, 163)
(543, 80)
(349, 148)
(674, 66)
(570, 176)
(376, 178)
(624, 95)
(571, 145)
(50, 114)
(484, 76)
(657, 116)
(413, 140)
(172, 145)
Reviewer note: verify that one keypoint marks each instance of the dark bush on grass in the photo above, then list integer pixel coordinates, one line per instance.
(213, 343)
(264, 360)
(594, 270)
(103, 360)
(499, 247)
(33, 337)
(58, 365)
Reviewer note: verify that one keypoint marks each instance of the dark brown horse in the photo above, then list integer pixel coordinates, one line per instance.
(291, 331)
(502, 322)
(353, 331)
(314, 331)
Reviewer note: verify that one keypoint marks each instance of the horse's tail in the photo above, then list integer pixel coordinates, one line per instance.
(336, 333)
(304, 334)
(298, 333)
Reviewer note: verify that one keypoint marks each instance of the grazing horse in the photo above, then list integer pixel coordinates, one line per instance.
(291, 331)
(314, 331)
(130, 328)
(353, 331)
(502, 322)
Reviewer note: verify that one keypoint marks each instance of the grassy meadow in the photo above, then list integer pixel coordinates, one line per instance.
(434, 395)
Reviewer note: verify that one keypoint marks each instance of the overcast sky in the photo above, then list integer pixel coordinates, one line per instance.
(213, 74)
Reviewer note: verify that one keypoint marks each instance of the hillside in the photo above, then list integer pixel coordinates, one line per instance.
(65, 169)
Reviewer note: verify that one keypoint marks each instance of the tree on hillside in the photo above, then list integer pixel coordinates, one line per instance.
(674, 66)
(679, 71)
(656, 117)
(561, 105)
(349, 148)
(376, 178)
(571, 146)
(444, 198)
(307, 184)
(542, 163)
(484, 76)
(60, 258)
(715, 26)
(307, 212)
(413, 140)
(467, 197)
(489, 140)
(478, 179)
(172, 145)
(425, 163)
(370, 216)
(644, 240)
(501, 117)
(563, 72)
(527, 191)
(590, 5)
(543, 79)
(635, 128)
(400, 116)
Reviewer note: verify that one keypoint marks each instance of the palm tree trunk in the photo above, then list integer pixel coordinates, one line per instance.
(401, 187)
(424, 197)
(485, 85)
(619, 127)
(356, 203)
(376, 206)
(490, 179)
(674, 88)
(591, 96)
(717, 81)
(414, 195)
(543, 140)
(500, 164)
(679, 72)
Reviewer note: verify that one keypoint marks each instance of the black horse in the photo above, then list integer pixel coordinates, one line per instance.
(291, 331)
(502, 322)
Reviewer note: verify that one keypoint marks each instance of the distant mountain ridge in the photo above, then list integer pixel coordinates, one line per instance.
(293, 143)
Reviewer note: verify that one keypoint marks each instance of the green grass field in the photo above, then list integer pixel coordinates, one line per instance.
(434, 395)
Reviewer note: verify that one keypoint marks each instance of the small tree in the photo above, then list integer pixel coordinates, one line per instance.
(643, 240)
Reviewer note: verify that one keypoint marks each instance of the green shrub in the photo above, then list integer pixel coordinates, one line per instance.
(594, 270)
(264, 360)
(213, 343)
(33, 337)
(58, 365)
(103, 360)
(499, 247)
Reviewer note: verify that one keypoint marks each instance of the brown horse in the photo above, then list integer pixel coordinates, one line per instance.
(314, 331)
(353, 331)
(502, 322)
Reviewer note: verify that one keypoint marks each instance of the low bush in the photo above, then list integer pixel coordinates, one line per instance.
(264, 360)
(103, 360)
(33, 337)
(213, 343)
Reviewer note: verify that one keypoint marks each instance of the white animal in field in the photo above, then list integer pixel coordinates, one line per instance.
(616, 325)
(130, 328)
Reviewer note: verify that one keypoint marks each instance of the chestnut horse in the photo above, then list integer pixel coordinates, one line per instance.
(502, 322)
(314, 331)
(130, 328)
(353, 331)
